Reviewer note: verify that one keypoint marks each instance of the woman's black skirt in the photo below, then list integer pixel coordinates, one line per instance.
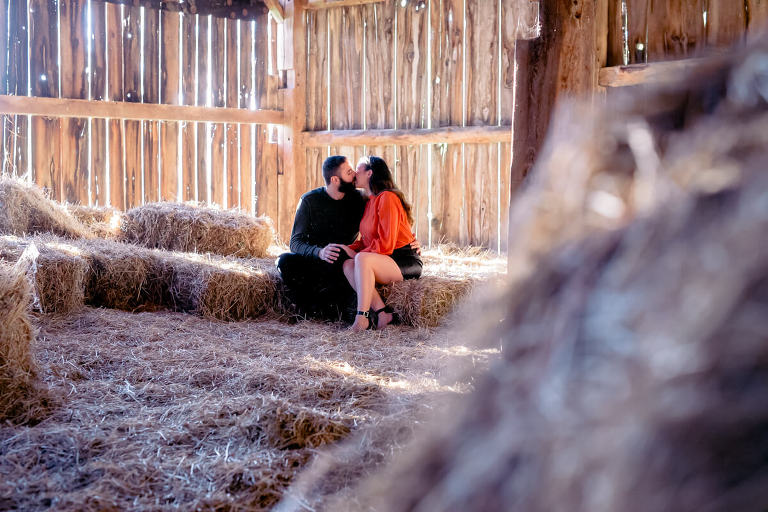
(409, 262)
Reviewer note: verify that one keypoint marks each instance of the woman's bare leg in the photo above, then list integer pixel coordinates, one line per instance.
(369, 269)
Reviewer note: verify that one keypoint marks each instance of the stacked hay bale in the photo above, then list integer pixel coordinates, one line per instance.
(24, 209)
(633, 373)
(56, 268)
(192, 228)
(103, 221)
(22, 398)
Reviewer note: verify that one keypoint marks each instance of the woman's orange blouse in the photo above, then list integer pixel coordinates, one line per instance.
(384, 226)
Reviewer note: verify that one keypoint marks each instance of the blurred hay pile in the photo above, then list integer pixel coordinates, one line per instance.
(191, 228)
(24, 209)
(103, 221)
(634, 365)
(168, 411)
(22, 397)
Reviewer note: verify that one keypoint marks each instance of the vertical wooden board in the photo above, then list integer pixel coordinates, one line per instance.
(233, 101)
(447, 192)
(132, 92)
(218, 65)
(447, 58)
(507, 189)
(245, 136)
(637, 30)
(5, 121)
(74, 160)
(509, 14)
(481, 160)
(379, 60)
(169, 165)
(726, 23)
(482, 63)
(447, 21)
(3, 52)
(346, 61)
(482, 188)
(757, 18)
(74, 58)
(169, 94)
(133, 160)
(44, 77)
(151, 80)
(98, 89)
(411, 79)
(203, 99)
(675, 29)
(314, 175)
(46, 155)
(317, 70)
(151, 156)
(266, 176)
(189, 97)
(16, 129)
(115, 138)
(412, 180)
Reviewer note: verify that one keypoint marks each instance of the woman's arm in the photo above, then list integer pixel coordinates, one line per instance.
(389, 211)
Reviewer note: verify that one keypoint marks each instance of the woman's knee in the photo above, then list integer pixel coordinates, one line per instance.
(363, 258)
(348, 265)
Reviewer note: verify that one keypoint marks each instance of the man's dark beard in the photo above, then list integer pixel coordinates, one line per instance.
(346, 187)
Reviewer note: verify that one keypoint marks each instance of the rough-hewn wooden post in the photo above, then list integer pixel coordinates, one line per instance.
(292, 155)
(562, 61)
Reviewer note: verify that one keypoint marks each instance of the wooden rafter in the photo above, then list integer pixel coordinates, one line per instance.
(276, 9)
(444, 135)
(61, 107)
(327, 4)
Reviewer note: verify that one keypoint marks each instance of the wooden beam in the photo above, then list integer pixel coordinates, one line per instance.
(61, 107)
(636, 74)
(444, 135)
(328, 4)
(276, 9)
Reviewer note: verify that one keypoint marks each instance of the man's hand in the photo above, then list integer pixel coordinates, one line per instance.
(349, 251)
(330, 252)
(416, 246)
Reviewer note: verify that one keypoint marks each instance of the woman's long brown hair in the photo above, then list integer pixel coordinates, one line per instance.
(381, 181)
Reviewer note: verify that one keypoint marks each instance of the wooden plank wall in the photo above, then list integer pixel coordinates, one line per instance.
(678, 29)
(420, 65)
(120, 52)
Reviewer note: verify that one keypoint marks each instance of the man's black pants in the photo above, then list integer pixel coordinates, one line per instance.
(318, 289)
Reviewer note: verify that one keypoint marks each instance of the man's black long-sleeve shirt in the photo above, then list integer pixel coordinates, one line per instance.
(321, 220)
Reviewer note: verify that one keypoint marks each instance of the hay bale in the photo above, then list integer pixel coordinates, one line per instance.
(24, 209)
(22, 398)
(634, 366)
(222, 288)
(191, 228)
(122, 276)
(56, 268)
(427, 301)
(103, 221)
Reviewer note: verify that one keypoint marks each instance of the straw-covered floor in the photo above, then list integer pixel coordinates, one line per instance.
(166, 411)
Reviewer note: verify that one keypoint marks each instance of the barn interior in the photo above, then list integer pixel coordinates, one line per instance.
(586, 184)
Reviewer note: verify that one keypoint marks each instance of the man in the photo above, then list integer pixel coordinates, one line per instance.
(326, 218)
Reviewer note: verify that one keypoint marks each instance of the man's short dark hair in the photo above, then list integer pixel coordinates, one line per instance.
(331, 166)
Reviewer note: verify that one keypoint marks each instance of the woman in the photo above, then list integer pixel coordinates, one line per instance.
(383, 254)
